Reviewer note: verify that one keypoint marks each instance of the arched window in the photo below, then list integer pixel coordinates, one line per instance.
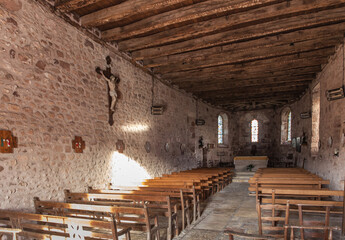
(255, 130)
(220, 130)
(223, 130)
(286, 126)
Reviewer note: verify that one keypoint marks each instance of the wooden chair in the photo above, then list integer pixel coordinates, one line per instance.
(302, 228)
(275, 210)
(312, 224)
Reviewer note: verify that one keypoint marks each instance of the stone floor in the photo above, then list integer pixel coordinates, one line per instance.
(232, 207)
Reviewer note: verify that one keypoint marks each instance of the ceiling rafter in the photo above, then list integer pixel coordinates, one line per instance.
(219, 50)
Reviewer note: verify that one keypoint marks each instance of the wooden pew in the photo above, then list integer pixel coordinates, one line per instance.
(38, 226)
(162, 205)
(186, 200)
(298, 196)
(135, 217)
(9, 231)
(205, 187)
(284, 178)
(193, 193)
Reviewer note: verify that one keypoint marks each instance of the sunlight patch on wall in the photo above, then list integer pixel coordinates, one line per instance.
(126, 171)
(135, 128)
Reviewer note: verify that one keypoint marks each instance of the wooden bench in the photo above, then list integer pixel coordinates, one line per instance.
(205, 187)
(9, 231)
(39, 226)
(162, 205)
(193, 193)
(136, 218)
(298, 196)
(186, 201)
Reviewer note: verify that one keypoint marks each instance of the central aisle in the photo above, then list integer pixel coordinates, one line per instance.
(232, 207)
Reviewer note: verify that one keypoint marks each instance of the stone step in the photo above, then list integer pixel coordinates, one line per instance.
(244, 174)
(242, 177)
(240, 180)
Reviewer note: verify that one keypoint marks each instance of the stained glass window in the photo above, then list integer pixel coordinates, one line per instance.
(220, 130)
(255, 130)
(289, 127)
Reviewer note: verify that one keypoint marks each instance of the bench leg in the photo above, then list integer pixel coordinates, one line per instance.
(194, 210)
(183, 216)
(231, 237)
(128, 235)
(187, 213)
(199, 210)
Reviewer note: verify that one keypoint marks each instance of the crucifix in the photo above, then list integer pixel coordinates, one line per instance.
(112, 81)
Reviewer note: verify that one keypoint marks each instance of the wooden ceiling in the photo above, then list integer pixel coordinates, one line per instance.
(235, 54)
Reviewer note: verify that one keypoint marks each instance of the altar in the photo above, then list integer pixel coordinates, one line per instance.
(241, 162)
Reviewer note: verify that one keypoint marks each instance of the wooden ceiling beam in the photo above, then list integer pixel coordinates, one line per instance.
(252, 55)
(276, 61)
(71, 5)
(249, 18)
(233, 78)
(250, 91)
(132, 9)
(257, 87)
(251, 45)
(240, 71)
(179, 17)
(258, 97)
(282, 80)
(276, 27)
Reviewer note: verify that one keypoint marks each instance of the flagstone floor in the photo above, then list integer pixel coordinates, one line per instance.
(230, 208)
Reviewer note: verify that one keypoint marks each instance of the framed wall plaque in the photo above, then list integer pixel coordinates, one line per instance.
(7, 141)
(78, 144)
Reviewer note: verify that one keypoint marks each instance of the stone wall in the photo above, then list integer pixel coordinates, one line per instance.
(332, 125)
(49, 93)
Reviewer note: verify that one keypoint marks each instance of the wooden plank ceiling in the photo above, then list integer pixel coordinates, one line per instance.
(236, 54)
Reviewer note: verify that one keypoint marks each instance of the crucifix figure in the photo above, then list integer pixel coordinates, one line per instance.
(112, 81)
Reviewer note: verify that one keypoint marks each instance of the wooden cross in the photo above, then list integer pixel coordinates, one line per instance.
(112, 81)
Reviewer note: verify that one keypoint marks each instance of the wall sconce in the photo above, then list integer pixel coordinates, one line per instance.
(157, 110)
(335, 94)
(200, 122)
(305, 115)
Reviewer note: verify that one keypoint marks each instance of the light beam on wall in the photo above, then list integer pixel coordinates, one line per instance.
(135, 128)
(126, 171)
